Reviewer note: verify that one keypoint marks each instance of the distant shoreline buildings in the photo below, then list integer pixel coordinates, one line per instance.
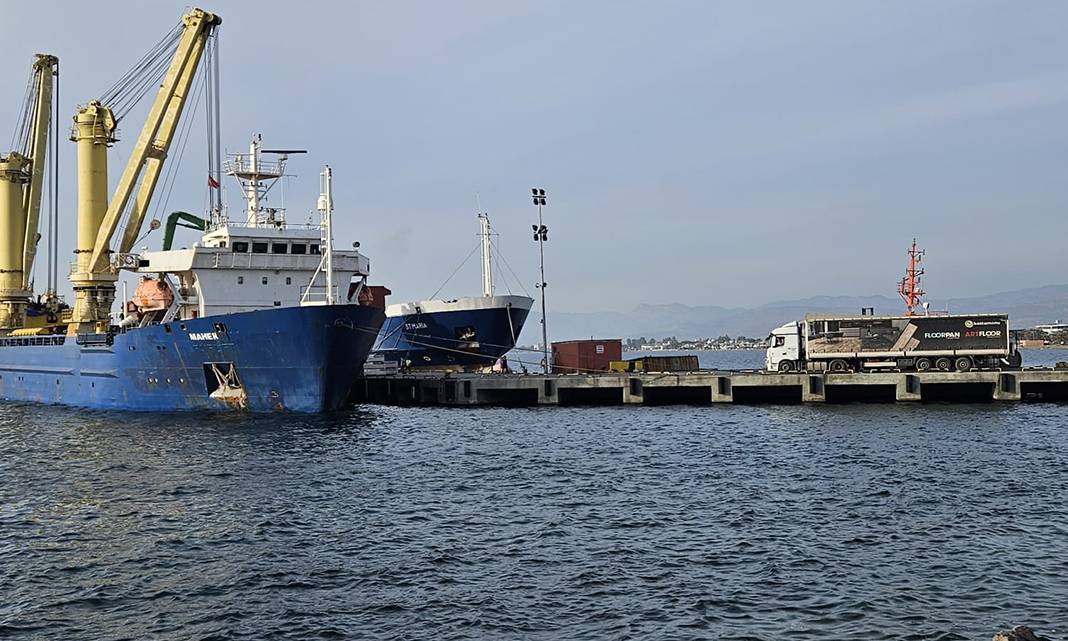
(1051, 334)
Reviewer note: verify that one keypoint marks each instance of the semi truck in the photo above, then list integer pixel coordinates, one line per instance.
(906, 343)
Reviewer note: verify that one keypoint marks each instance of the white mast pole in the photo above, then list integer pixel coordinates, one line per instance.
(253, 183)
(487, 273)
(328, 192)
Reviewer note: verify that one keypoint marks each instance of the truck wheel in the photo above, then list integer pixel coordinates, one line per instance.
(786, 366)
(923, 364)
(964, 364)
(943, 364)
(838, 365)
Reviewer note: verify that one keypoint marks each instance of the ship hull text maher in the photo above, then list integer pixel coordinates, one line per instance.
(291, 358)
(464, 333)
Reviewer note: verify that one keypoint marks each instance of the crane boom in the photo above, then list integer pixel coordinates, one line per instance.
(45, 68)
(150, 150)
(93, 277)
(21, 181)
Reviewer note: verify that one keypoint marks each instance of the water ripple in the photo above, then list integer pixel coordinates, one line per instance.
(852, 522)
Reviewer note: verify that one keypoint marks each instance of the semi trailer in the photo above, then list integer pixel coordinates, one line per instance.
(879, 343)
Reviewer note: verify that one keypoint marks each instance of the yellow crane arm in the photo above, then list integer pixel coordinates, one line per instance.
(45, 69)
(146, 160)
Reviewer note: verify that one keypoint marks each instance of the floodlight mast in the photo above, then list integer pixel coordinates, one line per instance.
(541, 234)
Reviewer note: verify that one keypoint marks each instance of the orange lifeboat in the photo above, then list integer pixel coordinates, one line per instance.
(152, 295)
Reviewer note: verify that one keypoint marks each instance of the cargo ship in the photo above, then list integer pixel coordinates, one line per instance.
(248, 318)
(461, 334)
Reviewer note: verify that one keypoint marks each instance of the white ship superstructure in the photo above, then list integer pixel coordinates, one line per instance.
(258, 263)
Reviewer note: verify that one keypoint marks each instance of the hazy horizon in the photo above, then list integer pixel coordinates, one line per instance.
(892, 300)
(696, 153)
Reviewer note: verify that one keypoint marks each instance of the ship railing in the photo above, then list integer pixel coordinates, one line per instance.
(297, 262)
(286, 224)
(118, 262)
(317, 295)
(242, 166)
(27, 341)
(74, 269)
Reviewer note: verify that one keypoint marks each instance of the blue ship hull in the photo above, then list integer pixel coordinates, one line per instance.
(302, 359)
(437, 339)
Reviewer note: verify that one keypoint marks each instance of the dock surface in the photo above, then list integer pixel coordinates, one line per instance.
(710, 387)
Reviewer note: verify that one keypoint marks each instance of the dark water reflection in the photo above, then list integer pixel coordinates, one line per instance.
(866, 522)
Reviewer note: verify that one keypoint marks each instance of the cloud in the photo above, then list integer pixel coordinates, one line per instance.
(960, 104)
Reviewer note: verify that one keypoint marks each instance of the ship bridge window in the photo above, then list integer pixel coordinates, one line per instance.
(279, 248)
(314, 249)
(240, 247)
(259, 248)
(298, 248)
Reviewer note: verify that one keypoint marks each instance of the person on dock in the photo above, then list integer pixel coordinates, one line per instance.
(501, 366)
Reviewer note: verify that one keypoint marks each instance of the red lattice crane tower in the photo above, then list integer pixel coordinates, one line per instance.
(909, 287)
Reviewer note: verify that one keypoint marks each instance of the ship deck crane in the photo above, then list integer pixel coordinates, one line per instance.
(21, 186)
(95, 124)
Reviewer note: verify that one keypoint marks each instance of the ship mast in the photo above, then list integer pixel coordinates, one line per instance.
(487, 273)
(325, 206)
(252, 183)
(257, 176)
(909, 287)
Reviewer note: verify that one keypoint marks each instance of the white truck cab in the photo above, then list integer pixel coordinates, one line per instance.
(784, 348)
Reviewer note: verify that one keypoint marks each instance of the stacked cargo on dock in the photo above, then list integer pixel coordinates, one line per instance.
(377, 365)
(581, 357)
(682, 363)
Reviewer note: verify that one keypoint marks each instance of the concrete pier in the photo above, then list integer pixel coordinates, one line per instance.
(711, 387)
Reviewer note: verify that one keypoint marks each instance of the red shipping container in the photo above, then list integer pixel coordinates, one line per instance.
(580, 357)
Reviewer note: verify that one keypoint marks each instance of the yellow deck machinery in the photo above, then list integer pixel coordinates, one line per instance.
(22, 173)
(95, 125)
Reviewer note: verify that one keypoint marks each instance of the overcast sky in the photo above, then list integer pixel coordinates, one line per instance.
(693, 152)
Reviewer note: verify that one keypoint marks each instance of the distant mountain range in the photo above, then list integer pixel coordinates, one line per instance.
(1026, 308)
